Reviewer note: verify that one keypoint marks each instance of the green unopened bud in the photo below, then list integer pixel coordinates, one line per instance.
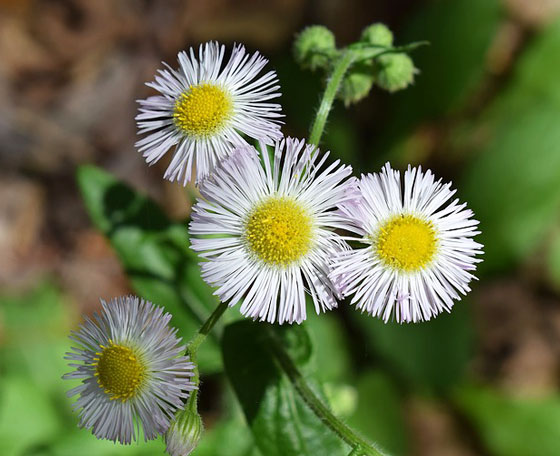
(394, 72)
(314, 47)
(356, 84)
(377, 34)
(184, 433)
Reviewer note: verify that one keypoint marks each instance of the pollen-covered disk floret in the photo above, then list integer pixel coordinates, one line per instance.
(205, 108)
(266, 228)
(132, 369)
(419, 250)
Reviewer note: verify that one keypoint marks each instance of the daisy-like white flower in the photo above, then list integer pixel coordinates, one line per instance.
(132, 370)
(420, 250)
(266, 228)
(205, 108)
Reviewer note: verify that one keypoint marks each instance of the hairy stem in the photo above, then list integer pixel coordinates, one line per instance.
(360, 445)
(333, 84)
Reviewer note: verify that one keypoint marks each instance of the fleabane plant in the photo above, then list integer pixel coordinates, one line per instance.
(275, 227)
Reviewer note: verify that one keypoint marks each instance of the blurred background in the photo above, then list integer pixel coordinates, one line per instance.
(484, 112)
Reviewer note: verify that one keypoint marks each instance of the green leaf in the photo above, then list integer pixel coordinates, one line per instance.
(430, 355)
(154, 253)
(379, 415)
(512, 426)
(512, 185)
(281, 422)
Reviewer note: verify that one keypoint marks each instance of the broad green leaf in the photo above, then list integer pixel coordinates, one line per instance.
(430, 355)
(281, 422)
(511, 426)
(154, 253)
(379, 415)
(512, 185)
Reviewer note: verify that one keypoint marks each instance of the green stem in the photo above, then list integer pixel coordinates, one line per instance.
(333, 84)
(192, 401)
(359, 445)
(207, 327)
(356, 451)
(192, 349)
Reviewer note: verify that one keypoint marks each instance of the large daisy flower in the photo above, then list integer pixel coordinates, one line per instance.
(419, 252)
(132, 371)
(266, 228)
(205, 108)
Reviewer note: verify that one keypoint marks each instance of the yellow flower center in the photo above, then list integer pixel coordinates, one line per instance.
(279, 231)
(202, 110)
(406, 242)
(120, 372)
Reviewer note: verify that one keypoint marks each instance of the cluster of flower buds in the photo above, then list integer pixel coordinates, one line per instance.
(375, 60)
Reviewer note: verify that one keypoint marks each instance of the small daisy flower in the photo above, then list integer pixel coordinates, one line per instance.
(132, 370)
(205, 108)
(266, 228)
(420, 253)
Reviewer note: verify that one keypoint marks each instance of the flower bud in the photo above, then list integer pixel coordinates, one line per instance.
(356, 84)
(377, 34)
(314, 47)
(184, 433)
(394, 72)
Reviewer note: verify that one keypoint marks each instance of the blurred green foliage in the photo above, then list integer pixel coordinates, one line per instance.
(379, 413)
(513, 182)
(510, 426)
(460, 33)
(426, 357)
